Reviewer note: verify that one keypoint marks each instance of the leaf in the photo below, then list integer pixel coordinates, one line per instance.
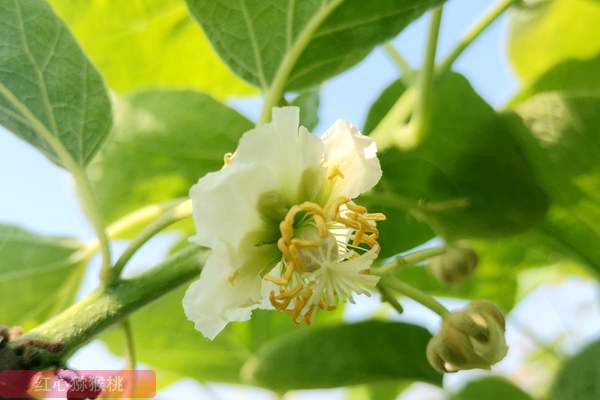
(162, 143)
(579, 377)
(545, 33)
(50, 94)
(308, 102)
(341, 355)
(168, 342)
(571, 76)
(467, 178)
(148, 43)
(563, 143)
(491, 388)
(306, 41)
(383, 104)
(39, 275)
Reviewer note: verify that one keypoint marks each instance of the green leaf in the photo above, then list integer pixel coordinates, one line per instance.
(159, 148)
(305, 42)
(308, 102)
(572, 76)
(563, 143)
(545, 33)
(50, 94)
(467, 178)
(148, 43)
(383, 104)
(579, 377)
(377, 391)
(491, 388)
(39, 275)
(168, 342)
(341, 355)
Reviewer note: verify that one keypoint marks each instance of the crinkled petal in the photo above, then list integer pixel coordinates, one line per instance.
(290, 152)
(225, 203)
(225, 292)
(355, 155)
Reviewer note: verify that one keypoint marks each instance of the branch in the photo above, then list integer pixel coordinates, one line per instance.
(474, 33)
(421, 113)
(55, 340)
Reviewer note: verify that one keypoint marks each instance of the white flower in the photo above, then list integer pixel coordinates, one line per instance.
(281, 224)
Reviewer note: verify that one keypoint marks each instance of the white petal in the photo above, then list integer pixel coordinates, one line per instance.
(225, 203)
(288, 151)
(221, 295)
(356, 157)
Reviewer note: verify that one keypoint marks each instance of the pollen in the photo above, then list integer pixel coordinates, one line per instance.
(297, 294)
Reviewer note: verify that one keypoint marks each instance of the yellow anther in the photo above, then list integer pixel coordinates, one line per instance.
(334, 208)
(295, 257)
(228, 158)
(313, 208)
(358, 237)
(356, 208)
(335, 173)
(321, 225)
(348, 222)
(276, 280)
(305, 243)
(375, 217)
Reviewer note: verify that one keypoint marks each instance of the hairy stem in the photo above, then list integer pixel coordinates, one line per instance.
(474, 33)
(417, 295)
(171, 216)
(409, 259)
(421, 114)
(81, 322)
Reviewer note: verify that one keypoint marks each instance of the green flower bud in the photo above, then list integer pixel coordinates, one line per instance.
(469, 338)
(457, 263)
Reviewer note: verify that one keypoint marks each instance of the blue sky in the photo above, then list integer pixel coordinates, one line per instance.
(39, 196)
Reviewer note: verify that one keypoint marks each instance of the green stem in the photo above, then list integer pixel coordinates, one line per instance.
(392, 128)
(474, 33)
(128, 223)
(129, 344)
(403, 65)
(416, 295)
(171, 216)
(389, 298)
(421, 113)
(81, 322)
(279, 82)
(89, 205)
(409, 259)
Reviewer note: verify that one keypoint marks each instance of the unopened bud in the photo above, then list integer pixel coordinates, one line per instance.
(457, 263)
(469, 338)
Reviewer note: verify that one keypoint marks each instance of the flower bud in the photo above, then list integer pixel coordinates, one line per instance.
(457, 263)
(469, 338)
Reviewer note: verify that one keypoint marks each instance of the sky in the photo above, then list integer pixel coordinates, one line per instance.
(39, 196)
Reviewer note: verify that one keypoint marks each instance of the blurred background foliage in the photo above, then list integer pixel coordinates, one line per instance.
(519, 183)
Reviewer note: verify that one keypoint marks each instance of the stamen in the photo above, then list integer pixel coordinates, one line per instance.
(294, 282)
(227, 159)
(335, 173)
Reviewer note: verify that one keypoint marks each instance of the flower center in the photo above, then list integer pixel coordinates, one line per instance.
(312, 239)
